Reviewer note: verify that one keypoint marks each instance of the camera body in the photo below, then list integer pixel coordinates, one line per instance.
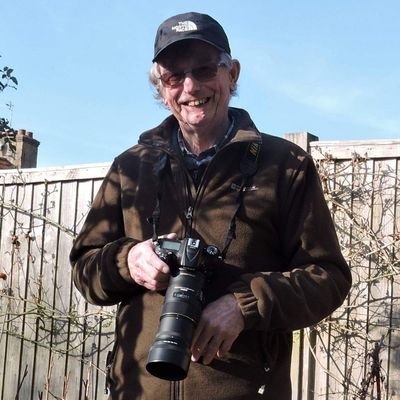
(169, 356)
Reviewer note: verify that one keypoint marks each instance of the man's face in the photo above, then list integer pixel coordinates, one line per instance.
(197, 103)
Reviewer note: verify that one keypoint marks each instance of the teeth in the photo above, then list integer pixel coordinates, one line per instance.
(197, 102)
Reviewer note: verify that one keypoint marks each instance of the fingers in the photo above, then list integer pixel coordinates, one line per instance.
(213, 342)
(220, 324)
(146, 268)
(216, 347)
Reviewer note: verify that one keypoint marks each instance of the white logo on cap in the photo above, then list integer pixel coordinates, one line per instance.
(185, 26)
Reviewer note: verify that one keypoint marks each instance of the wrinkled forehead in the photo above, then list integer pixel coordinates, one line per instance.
(188, 52)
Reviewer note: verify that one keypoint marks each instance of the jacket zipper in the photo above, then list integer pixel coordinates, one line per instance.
(192, 201)
(176, 390)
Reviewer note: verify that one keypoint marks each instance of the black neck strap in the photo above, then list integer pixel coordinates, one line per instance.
(248, 167)
(159, 171)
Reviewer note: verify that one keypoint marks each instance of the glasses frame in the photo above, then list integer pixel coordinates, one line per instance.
(196, 73)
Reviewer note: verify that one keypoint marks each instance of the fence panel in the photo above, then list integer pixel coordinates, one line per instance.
(363, 194)
(46, 337)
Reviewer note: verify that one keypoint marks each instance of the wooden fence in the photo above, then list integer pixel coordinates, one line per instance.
(53, 344)
(355, 354)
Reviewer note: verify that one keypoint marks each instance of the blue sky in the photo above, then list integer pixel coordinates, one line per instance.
(331, 68)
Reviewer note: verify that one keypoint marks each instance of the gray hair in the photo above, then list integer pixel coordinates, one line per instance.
(154, 76)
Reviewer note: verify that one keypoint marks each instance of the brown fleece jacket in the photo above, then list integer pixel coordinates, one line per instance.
(284, 264)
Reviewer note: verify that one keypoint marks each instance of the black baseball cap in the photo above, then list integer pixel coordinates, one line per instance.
(190, 25)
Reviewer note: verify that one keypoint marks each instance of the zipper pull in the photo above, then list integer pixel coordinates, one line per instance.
(261, 390)
(189, 218)
(189, 213)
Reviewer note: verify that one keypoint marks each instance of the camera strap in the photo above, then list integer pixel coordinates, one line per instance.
(159, 171)
(248, 167)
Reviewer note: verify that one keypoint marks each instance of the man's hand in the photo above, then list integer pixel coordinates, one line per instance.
(220, 324)
(146, 268)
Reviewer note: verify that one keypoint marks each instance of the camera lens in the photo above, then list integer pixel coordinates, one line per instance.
(169, 356)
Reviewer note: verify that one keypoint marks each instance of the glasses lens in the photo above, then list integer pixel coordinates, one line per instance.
(203, 73)
(172, 79)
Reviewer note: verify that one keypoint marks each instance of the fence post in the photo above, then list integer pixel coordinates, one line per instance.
(304, 375)
(302, 139)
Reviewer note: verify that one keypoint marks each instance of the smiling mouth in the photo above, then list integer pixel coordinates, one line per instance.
(196, 103)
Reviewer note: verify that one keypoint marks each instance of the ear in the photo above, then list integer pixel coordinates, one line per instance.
(235, 71)
(165, 103)
(162, 99)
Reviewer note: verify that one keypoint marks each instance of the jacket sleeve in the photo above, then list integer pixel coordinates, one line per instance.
(315, 278)
(99, 253)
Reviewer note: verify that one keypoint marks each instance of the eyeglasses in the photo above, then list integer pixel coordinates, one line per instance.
(203, 73)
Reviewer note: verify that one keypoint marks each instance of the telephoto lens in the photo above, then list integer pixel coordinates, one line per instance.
(169, 356)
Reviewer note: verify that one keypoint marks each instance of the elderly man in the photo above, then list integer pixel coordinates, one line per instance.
(207, 175)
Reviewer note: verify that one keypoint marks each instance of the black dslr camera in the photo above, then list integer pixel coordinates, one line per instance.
(169, 356)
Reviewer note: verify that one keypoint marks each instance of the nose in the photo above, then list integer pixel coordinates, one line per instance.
(190, 83)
